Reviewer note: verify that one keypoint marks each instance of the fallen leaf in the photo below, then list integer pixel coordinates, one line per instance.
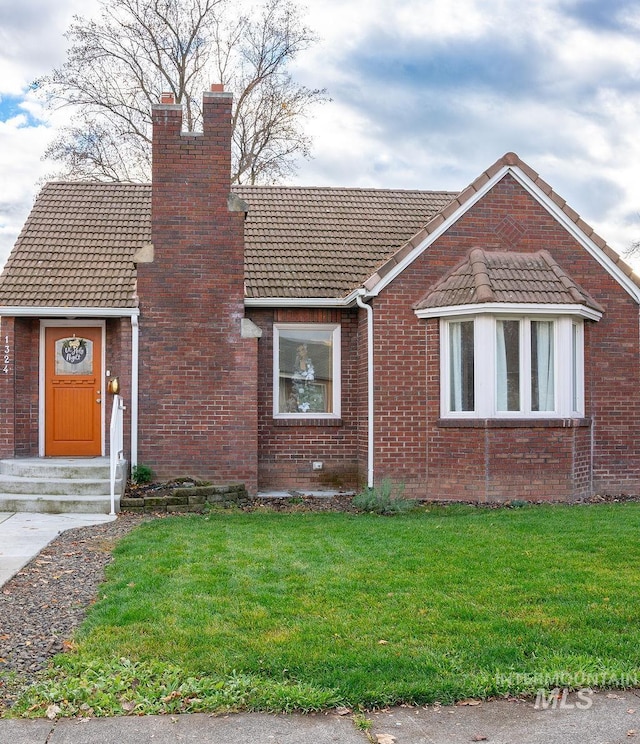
(469, 702)
(342, 711)
(383, 643)
(631, 732)
(128, 706)
(171, 696)
(52, 711)
(631, 710)
(385, 738)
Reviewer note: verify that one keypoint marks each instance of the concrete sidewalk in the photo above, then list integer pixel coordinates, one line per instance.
(610, 718)
(24, 534)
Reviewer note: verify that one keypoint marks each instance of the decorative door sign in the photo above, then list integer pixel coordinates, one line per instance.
(74, 356)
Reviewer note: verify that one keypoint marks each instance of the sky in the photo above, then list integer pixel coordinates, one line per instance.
(426, 94)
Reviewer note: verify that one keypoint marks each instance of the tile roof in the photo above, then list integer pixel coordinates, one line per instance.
(76, 246)
(510, 277)
(325, 242)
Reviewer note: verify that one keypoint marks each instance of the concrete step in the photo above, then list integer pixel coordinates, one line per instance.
(51, 504)
(58, 485)
(46, 467)
(54, 486)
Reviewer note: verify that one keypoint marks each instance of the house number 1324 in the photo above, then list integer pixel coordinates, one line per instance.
(5, 356)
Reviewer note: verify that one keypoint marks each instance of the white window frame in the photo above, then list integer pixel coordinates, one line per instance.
(568, 367)
(334, 328)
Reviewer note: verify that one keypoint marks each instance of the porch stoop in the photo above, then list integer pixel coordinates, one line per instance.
(58, 485)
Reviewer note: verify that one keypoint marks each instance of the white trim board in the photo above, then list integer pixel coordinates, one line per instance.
(545, 201)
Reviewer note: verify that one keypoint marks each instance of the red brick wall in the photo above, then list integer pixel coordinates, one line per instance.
(27, 357)
(499, 461)
(19, 388)
(7, 389)
(287, 448)
(197, 374)
(118, 363)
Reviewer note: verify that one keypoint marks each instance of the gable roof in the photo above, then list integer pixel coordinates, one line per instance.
(507, 277)
(527, 177)
(77, 246)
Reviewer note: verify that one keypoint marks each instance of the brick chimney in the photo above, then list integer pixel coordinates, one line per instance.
(198, 376)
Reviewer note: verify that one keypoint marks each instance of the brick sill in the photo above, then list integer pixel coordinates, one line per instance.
(307, 422)
(568, 423)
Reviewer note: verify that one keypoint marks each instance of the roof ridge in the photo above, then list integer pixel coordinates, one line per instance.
(509, 159)
(480, 272)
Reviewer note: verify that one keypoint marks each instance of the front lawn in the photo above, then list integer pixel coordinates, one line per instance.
(284, 611)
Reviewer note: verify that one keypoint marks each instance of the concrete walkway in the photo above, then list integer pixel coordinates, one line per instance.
(23, 535)
(611, 718)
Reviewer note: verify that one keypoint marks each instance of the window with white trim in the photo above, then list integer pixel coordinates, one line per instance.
(495, 366)
(306, 365)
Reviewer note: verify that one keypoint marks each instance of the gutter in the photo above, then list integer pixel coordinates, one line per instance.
(370, 383)
(19, 311)
(326, 302)
(135, 333)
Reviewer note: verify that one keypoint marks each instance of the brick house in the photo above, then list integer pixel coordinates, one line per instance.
(480, 345)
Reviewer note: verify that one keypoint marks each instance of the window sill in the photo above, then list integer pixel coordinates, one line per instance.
(520, 423)
(307, 422)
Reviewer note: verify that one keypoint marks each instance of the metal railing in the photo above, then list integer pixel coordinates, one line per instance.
(116, 445)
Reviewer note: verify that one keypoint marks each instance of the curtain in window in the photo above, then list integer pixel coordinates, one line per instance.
(508, 365)
(461, 366)
(542, 366)
(455, 365)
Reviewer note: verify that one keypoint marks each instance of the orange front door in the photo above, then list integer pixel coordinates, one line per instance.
(73, 391)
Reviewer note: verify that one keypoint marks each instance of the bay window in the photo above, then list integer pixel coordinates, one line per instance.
(306, 367)
(497, 366)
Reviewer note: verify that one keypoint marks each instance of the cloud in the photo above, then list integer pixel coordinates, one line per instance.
(426, 94)
(31, 44)
(429, 94)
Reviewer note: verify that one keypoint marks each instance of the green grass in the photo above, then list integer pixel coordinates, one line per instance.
(304, 611)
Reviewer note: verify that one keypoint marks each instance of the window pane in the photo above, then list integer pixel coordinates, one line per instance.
(461, 378)
(542, 366)
(508, 365)
(305, 371)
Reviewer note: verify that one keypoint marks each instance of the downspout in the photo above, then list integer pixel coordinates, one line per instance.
(369, 311)
(134, 390)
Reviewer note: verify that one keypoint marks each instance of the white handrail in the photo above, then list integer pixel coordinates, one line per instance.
(116, 445)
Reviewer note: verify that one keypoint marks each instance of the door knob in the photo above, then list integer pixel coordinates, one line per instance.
(98, 400)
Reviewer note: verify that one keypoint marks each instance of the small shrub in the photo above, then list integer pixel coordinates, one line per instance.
(381, 499)
(141, 474)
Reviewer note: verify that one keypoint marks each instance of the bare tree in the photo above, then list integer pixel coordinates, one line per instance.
(117, 68)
